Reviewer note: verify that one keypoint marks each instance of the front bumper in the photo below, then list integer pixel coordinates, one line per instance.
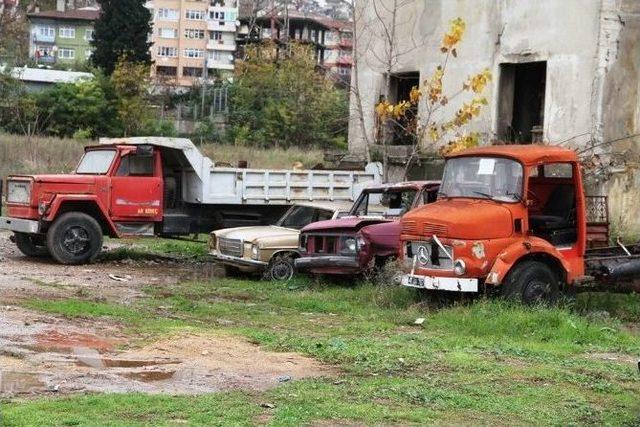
(20, 225)
(440, 283)
(329, 262)
(239, 262)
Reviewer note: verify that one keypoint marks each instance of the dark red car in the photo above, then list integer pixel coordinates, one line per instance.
(369, 236)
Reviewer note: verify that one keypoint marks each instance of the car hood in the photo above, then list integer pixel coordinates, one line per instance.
(471, 219)
(349, 223)
(259, 234)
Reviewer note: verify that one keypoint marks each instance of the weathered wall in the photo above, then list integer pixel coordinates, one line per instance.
(592, 85)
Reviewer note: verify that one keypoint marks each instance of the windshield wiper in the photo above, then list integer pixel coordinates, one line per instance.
(487, 195)
(443, 194)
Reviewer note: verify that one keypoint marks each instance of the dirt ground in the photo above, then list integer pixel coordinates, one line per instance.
(42, 354)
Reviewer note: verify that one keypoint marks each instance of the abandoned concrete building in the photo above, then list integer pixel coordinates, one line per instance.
(565, 72)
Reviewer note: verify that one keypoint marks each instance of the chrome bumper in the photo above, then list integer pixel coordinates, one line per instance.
(20, 225)
(238, 262)
(306, 263)
(440, 283)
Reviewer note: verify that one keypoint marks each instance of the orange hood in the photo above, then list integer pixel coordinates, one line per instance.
(467, 219)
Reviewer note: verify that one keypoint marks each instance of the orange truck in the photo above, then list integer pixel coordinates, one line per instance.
(511, 218)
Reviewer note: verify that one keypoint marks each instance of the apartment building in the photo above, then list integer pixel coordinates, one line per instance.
(193, 39)
(331, 39)
(61, 36)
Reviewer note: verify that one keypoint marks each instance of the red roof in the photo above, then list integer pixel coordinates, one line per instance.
(529, 154)
(76, 15)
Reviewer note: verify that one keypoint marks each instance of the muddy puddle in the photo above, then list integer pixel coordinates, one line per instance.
(52, 357)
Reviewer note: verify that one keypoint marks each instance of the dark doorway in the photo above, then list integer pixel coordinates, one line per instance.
(400, 86)
(521, 102)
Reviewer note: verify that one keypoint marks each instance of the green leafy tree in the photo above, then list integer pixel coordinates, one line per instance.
(282, 99)
(81, 108)
(131, 84)
(14, 38)
(121, 30)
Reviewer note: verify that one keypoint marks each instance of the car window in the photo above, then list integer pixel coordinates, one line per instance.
(324, 215)
(298, 217)
(135, 165)
(96, 162)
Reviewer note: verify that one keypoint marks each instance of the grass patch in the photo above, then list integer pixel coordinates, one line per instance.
(481, 362)
(152, 248)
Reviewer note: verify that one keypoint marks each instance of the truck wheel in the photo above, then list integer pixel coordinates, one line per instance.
(74, 238)
(32, 245)
(281, 267)
(532, 282)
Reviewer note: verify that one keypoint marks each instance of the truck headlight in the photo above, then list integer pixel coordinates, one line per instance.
(255, 252)
(459, 267)
(349, 245)
(19, 192)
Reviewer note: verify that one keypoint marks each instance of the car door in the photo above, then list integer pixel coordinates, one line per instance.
(136, 187)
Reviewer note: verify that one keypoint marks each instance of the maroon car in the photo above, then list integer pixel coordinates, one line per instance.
(369, 236)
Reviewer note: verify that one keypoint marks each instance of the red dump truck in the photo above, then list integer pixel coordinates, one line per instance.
(513, 219)
(156, 186)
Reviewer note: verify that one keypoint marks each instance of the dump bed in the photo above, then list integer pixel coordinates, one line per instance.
(204, 182)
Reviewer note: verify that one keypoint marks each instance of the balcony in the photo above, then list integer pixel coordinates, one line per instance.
(217, 25)
(220, 64)
(41, 38)
(227, 46)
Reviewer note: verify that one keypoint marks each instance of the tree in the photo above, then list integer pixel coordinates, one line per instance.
(14, 38)
(430, 129)
(131, 84)
(121, 30)
(79, 108)
(282, 99)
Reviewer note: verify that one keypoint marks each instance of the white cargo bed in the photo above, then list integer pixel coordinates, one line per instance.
(203, 182)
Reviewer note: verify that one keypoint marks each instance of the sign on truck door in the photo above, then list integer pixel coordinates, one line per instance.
(136, 187)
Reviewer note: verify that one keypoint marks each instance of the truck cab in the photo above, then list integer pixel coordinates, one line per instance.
(507, 217)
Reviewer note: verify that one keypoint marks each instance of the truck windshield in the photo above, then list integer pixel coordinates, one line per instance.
(385, 203)
(96, 162)
(492, 178)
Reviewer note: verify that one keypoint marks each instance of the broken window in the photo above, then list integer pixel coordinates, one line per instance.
(400, 86)
(521, 102)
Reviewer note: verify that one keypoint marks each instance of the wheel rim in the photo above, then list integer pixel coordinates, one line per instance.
(537, 291)
(76, 240)
(282, 271)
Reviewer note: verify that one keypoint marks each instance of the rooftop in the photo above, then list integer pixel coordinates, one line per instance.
(529, 154)
(84, 14)
(42, 75)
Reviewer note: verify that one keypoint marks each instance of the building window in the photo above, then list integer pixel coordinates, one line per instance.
(66, 53)
(87, 54)
(215, 35)
(88, 34)
(168, 14)
(47, 32)
(166, 71)
(216, 55)
(192, 72)
(167, 52)
(343, 71)
(193, 53)
(193, 34)
(67, 33)
(217, 16)
(168, 33)
(194, 15)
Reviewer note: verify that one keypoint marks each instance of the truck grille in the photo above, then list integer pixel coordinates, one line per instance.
(409, 227)
(431, 229)
(230, 247)
(429, 255)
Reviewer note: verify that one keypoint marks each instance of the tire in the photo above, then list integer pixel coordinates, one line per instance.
(281, 267)
(530, 283)
(31, 245)
(74, 238)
